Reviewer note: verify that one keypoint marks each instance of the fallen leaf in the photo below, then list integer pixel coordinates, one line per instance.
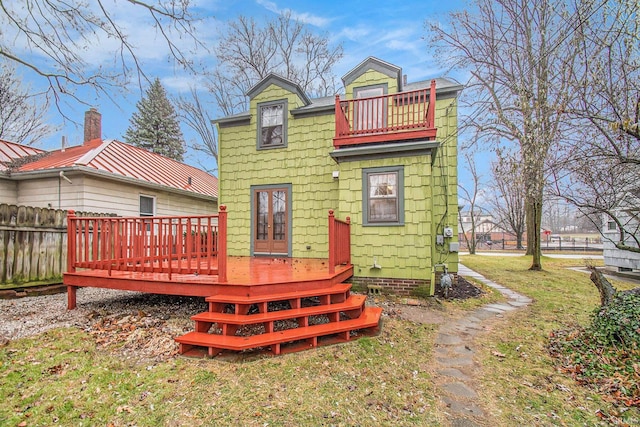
(498, 354)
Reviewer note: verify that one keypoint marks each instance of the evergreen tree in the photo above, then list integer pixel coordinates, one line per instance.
(155, 125)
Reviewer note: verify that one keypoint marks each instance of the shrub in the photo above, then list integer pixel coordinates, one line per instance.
(618, 323)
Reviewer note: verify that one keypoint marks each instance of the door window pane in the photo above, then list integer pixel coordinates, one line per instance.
(262, 226)
(279, 210)
(369, 113)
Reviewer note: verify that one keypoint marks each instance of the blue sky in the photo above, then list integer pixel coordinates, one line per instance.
(392, 31)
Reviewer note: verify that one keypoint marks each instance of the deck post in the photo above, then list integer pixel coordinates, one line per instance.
(222, 244)
(71, 297)
(338, 116)
(71, 241)
(348, 242)
(332, 242)
(431, 110)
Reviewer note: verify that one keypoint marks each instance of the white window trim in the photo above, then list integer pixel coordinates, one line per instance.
(140, 196)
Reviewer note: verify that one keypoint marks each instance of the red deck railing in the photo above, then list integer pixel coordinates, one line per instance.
(339, 242)
(386, 118)
(167, 244)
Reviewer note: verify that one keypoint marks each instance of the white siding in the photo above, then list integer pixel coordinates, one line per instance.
(93, 194)
(614, 257)
(124, 199)
(8, 192)
(47, 192)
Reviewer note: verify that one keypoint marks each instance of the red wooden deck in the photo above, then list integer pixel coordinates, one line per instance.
(187, 256)
(246, 276)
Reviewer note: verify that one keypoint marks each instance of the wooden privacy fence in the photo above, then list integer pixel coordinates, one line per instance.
(339, 242)
(33, 245)
(161, 244)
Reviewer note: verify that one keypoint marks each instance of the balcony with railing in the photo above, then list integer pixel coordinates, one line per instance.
(402, 116)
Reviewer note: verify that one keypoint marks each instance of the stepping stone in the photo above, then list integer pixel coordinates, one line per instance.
(518, 304)
(446, 339)
(463, 422)
(463, 407)
(463, 350)
(503, 307)
(454, 373)
(493, 309)
(483, 314)
(451, 362)
(459, 389)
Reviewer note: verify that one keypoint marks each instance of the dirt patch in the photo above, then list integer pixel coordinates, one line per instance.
(461, 290)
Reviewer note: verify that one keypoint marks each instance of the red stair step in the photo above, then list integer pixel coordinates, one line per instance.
(369, 318)
(340, 288)
(354, 302)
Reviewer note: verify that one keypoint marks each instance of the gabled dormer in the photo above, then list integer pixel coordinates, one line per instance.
(270, 103)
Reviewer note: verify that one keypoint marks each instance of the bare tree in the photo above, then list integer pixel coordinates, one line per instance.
(55, 39)
(248, 52)
(509, 194)
(195, 114)
(600, 168)
(470, 197)
(22, 114)
(521, 56)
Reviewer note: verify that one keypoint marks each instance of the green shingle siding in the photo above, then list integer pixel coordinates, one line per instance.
(430, 189)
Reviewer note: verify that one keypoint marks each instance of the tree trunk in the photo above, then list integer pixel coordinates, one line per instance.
(536, 208)
(607, 291)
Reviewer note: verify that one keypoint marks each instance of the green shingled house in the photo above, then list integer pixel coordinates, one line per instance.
(383, 154)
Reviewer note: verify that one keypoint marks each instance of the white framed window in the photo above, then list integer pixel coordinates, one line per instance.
(147, 205)
(272, 124)
(383, 196)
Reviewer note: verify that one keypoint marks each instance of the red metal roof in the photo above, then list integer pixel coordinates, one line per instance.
(10, 151)
(122, 159)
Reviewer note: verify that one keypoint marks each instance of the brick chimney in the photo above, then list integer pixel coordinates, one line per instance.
(92, 125)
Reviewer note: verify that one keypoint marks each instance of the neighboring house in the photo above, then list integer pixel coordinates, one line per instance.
(486, 229)
(383, 154)
(622, 260)
(104, 176)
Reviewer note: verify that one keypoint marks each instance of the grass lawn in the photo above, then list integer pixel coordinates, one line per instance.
(524, 387)
(62, 378)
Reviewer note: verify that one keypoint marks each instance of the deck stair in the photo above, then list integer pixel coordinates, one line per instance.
(281, 322)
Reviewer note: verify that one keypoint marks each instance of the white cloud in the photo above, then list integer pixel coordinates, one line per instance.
(307, 18)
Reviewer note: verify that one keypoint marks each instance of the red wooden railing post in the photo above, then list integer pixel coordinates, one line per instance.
(222, 244)
(338, 116)
(332, 242)
(71, 257)
(348, 241)
(71, 241)
(431, 110)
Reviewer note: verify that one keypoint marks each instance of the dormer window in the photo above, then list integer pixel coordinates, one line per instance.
(272, 124)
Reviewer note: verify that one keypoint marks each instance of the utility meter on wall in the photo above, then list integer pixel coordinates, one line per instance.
(448, 232)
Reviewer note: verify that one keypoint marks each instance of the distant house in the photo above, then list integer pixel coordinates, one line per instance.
(104, 176)
(629, 216)
(487, 231)
(383, 154)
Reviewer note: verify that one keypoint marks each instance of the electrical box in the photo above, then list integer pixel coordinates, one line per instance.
(448, 232)
(439, 239)
(454, 246)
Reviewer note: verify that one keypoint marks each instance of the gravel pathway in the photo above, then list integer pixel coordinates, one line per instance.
(146, 323)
